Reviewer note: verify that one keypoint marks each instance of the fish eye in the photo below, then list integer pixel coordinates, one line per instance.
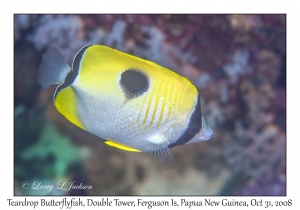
(134, 83)
(194, 129)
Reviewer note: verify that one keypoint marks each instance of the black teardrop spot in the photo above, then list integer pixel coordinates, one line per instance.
(134, 83)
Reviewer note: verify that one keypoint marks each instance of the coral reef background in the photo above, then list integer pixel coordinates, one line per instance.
(238, 63)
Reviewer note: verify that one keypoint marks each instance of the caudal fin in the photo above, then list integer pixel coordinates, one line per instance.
(53, 69)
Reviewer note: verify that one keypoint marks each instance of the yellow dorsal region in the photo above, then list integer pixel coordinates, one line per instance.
(105, 59)
(104, 65)
(121, 146)
(65, 103)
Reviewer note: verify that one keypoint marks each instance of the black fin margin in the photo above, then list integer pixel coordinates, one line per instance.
(75, 69)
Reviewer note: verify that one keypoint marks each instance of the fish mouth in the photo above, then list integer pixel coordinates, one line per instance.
(206, 131)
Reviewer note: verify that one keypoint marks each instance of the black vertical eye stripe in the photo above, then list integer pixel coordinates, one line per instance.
(134, 83)
(193, 128)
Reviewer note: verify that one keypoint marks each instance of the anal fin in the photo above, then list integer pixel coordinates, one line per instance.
(121, 146)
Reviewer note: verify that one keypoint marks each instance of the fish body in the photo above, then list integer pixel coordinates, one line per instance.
(132, 103)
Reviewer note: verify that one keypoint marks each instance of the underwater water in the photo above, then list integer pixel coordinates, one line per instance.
(237, 62)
